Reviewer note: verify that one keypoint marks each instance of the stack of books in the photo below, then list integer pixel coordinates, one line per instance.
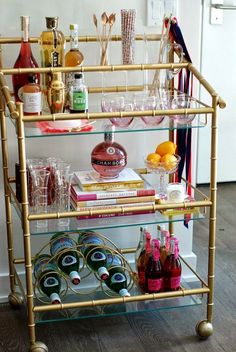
(92, 192)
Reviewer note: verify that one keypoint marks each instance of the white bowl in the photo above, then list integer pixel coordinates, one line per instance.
(65, 124)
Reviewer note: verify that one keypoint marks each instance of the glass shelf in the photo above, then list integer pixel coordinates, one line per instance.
(98, 128)
(116, 309)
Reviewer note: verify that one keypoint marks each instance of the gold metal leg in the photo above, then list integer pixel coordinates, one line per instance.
(25, 225)
(8, 209)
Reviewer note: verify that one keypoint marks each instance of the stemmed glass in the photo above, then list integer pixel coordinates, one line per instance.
(182, 101)
(116, 103)
(163, 168)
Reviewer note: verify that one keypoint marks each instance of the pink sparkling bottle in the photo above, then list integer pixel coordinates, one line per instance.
(109, 158)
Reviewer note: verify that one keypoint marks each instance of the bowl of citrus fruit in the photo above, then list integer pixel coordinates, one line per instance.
(163, 160)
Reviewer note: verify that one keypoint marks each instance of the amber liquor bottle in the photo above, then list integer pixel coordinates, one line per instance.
(25, 60)
(32, 98)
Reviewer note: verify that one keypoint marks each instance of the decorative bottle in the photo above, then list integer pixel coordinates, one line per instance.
(95, 254)
(109, 158)
(172, 268)
(142, 262)
(47, 276)
(56, 94)
(117, 281)
(154, 270)
(67, 258)
(78, 95)
(32, 97)
(73, 57)
(141, 245)
(25, 59)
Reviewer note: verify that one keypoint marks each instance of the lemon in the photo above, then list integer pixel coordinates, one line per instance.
(167, 147)
(169, 160)
(154, 158)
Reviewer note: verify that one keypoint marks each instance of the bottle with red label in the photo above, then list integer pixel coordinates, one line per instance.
(154, 270)
(143, 260)
(172, 267)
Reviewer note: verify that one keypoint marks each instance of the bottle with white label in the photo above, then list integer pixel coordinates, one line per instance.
(117, 281)
(67, 258)
(49, 281)
(32, 97)
(78, 95)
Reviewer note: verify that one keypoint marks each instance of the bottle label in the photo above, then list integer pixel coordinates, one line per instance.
(175, 282)
(117, 278)
(55, 59)
(154, 285)
(68, 260)
(50, 282)
(108, 162)
(60, 244)
(32, 102)
(141, 277)
(20, 93)
(43, 265)
(79, 101)
(97, 256)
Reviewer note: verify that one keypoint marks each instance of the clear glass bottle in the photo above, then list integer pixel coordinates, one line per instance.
(73, 57)
(109, 158)
(32, 97)
(78, 95)
(154, 271)
(25, 59)
(56, 94)
(52, 43)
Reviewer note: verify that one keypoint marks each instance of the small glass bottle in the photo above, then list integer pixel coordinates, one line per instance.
(142, 262)
(56, 94)
(73, 57)
(32, 97)
(78, 95)
(25, 59)
(172, 268)
(109, 158)
(154, 271)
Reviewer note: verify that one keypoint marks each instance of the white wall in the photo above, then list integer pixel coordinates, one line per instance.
(77, 149)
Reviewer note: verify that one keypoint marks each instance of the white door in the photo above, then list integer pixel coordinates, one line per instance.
(219, 68)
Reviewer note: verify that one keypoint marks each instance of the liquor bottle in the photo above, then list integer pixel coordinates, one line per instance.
(172, 268)
(109, 158)
(52, 43)
(140, 246)
(143, 260)
(154, 270)
(56, 94)
(73, 57)
(48, 279)
(32, 97)
(164, 236)
(67, 258)
(78, 95)
(117, 281)
(95, 254)
(24, 60)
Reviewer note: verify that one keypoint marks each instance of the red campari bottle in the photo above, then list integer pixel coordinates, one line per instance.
(154, 270)
(172, 267)
(25, 60)
(143, 260)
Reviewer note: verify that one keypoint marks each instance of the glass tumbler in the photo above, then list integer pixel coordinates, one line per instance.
(62, 191)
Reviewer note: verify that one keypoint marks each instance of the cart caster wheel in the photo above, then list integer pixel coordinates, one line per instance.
(38, 347)
(15, 300)
(204, 329)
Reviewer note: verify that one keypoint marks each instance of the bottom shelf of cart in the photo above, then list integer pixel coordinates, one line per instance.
(116, 309)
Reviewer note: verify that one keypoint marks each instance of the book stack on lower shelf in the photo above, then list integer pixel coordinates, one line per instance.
(92, 192)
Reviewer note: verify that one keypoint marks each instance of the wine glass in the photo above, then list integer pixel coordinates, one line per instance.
(117, 103)
(142, 101)
(182, 101)
(162, 168)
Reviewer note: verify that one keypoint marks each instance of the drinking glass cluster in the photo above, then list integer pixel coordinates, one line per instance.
(142, 101)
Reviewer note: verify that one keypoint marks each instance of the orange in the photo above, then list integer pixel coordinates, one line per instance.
(154, 158)
(167, 147)
(169, 160)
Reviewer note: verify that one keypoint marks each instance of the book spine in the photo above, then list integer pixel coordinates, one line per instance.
(114, 201)
(111, 207)
(110, 195)
(101, 216)
(114, 186)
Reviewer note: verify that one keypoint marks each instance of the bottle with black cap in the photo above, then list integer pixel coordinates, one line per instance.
(78, 95)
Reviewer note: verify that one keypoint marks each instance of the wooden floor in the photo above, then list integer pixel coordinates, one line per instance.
(172, 330)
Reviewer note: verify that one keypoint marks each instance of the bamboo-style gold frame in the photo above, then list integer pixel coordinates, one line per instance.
(16, 113)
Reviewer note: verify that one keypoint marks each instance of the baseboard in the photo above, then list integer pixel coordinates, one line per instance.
(5, 288)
